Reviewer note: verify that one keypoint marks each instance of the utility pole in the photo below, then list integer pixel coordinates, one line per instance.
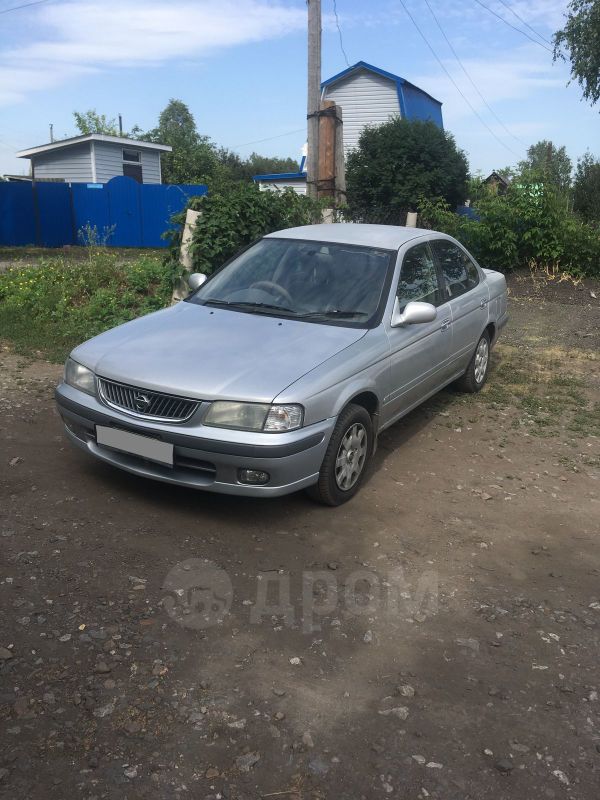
(51, 132)
(314, 96)
(120, 125)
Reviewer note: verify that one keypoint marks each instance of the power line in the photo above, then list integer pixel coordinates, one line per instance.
(269, 138)
(514, 27)
(337, 22)
(473, 84)
(456, 86)
(24, 5)
(527, 25)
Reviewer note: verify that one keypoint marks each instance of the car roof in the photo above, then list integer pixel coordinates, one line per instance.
(389, 237)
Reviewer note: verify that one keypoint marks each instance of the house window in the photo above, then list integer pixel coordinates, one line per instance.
(131, 155)
(132, 166)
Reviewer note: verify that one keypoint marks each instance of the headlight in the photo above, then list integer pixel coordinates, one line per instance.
(254, 416)
(80, 377)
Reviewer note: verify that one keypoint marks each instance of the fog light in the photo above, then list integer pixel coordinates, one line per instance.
(255, 476)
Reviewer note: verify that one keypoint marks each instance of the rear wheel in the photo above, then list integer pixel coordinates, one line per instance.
(346, 459)
(477, 371)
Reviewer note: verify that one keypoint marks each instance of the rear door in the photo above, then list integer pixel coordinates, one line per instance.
(467, 292)
(419, 354)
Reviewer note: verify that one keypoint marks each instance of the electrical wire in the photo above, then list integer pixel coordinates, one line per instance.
(24, 5)
(454, 83)
(472, 82)
(514, 27)
(527, 25)
(337, 22)
(269, 138)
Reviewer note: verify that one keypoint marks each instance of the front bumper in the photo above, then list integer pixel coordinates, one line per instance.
(204, 458)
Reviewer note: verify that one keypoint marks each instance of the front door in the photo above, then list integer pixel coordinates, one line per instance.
(419, 354)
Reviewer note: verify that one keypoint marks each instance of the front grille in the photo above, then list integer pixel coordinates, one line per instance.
(145, 403)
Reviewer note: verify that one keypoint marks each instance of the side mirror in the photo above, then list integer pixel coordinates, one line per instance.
(413, 314)
(196, 280)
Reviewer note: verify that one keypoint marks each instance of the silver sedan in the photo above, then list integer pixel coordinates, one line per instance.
(278, 372)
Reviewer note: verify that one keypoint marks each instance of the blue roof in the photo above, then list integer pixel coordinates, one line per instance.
(280, 176)
(414, 102)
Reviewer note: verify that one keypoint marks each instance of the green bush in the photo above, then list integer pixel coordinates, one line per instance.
(54, 305)
(234, 215)
(528, 226)
(400, 161)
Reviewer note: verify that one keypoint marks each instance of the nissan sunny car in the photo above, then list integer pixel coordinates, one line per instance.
(278, 372)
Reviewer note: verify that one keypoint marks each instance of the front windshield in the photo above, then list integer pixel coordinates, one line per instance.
(321, 281)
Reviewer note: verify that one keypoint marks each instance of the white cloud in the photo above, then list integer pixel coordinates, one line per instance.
(511, 76)
(81, 36)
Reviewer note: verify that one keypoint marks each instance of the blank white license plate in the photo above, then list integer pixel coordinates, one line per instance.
(143, 446)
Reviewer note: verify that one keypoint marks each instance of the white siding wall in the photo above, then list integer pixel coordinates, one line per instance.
(273, 186)
(366, 99)
(151, 166)
(73, 164)
(109, 162)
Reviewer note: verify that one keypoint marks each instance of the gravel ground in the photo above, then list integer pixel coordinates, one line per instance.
(437, 637)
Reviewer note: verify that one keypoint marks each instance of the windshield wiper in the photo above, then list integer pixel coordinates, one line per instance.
(335, 313)
(249, 304)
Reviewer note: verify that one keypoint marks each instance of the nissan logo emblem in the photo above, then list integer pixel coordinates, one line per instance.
(142, 401)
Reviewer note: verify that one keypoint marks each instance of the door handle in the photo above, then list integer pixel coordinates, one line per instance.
(483, 303)
(445, 325)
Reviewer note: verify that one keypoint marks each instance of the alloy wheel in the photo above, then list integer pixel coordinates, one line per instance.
(482, 355)
(351, 456)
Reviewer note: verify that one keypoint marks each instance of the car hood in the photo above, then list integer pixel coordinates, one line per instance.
(211, 353)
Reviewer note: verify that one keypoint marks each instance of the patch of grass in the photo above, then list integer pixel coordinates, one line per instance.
(544, 399)
(567, 381)
(32, 255)
(50, 307)
(586, 421)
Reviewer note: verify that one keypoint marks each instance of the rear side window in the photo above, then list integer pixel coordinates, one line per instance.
(418, 278)
(460, 273)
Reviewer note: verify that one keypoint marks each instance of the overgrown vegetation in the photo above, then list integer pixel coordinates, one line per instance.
(528, 226)
(238, 213)
(56, 304)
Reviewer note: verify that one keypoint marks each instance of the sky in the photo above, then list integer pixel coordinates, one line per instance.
(240, 65)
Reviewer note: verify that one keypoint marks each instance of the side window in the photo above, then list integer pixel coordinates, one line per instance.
(460, 273)
(418, 278)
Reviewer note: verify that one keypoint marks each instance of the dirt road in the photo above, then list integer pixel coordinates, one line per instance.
(437, 637)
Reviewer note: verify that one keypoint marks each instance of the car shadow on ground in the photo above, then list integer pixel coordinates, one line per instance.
(227, 507)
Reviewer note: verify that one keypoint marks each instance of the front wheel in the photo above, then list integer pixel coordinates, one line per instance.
(477, 371)
(346, 459)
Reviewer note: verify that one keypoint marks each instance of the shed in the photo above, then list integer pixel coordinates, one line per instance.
(96, 158)
(497, 182)
(369, 95)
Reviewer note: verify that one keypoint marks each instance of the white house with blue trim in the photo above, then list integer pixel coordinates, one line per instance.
(368, 96)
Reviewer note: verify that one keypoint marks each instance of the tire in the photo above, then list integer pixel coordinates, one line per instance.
(346, 459)
(476, 375)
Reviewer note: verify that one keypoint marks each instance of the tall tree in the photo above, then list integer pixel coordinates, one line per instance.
(399, 163)
(194, 157)
(579, 41)
(586, 188)
(92, 122)
(550, 161)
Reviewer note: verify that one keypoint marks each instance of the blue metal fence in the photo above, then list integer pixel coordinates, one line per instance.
(125, 213)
